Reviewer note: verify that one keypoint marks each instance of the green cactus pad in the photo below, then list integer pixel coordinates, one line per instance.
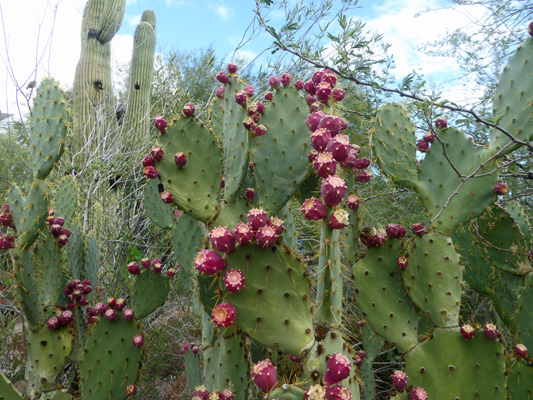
(381, 296)
(394, 144)
(159, 213)
(275, 280)
(50, 275)
(519, 380)
(226, 364)
(49, 121)
(438, 181)
(187, 239)
(149, 292)
(7, 390)
(290, 235)
(209, 330)
(29, 214)
(287, 392)
(48, 352)
(236, 140)
(193, 369)
(75, 251)
(501, 241)
(210, 293)
(195, 186)
(449, 367)
(280, 156)
(433, 278)
(512, 101)
(524, 315)
(92, 262)
(516, 211)
(110, 361)
(216, 115)
(66, 200)
(58, 395)
(233, 213)
(26, 275)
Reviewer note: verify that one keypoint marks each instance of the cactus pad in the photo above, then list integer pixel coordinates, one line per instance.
(148, 293)
(159, 213)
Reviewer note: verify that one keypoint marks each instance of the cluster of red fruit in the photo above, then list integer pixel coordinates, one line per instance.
(76, 292)
(201, 393)
(110, 311)
(56, 228)
(6, 219)
(155, 265)
(151, 172)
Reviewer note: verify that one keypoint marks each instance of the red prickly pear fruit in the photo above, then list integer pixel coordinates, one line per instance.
(59, 221)
(392, 230)
(256, 218)
(249, 90)
(167, 197)
(344, 123)
(323, 92)
(148, 161)
(138, 341)
(310, 100)
(250, 194)
(312, 155)
(530, 28)
(329, 77)
(402, 262)
(201, 392)
(91, 311)
(66, 317)
(310, 87)
(299, 85)
(337, 369)
(521, 350)
(380, 238)
(315, 392)
(62, 240)
(222, 77)
(317, 77)
(180, 159)
(349, 161)
(359, 357)
(467, 332)
(71, 306)
(185, 348)
(195, 349)
(240, 98)
(6, 219)
(223, 182)
(248, 123)
(441, 123)
(131, 390)
(157, 267)
(56, 230)
(313, 120)
(100, 308)
(332, 123)
(128, 314)
(150, 172)
(156, 261)
(418, 394)
(171, 272)
(429, 137)
(315, 106)
(220, 92)
(285, 79)
(422, 146)
(338, 94)
(362, 163)
(501, 189)
(325, 165)
(265, 375)
(92, 320)
(234, 280)
(86, 289)
(188, 110)
(177, 213)
(337, 392)
(243, 233)
(224, 315)
(313, 209)
(222, 239)
(418, 229)
(111, 302)
(260, 108)
(274, 82)
(121, 303)
(353, 202)
(490, 331)
(339, 219)
(266, 237)
(277, 224)
(293, 358)
(251, 166)
(160, 124)
(339, 146)
(259, 130)
(83, 301)
(209, 262)
(268, 96)
(256, 117)
(363, 176)
(227, 394)
(110, 315)
(320, 139)
(146, 262)
(401, 231)
(399, 380)
(232, 68)
(134, 268)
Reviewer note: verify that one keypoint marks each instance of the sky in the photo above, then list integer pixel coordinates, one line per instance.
(46, 33)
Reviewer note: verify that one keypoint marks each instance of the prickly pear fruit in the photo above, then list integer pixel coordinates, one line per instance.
(501, 189)
(160, 124)
(224, 315)
(325, 165)
(285, 79)
(418, 394)
(266, 237)
(320, 139)
(180, 159)
(418, 229)
(441, 123)
(402, 262)
(222, 239)
(257, 218)
(209, 262)
(490, 331)
(363, 176)
(222, 77)
(53, 323)
(234, 280)
(128, 314)
(131, 390)
(467, 332)
(138, 341)
(220, 92)
(274, 82)
(243, 233)
(299, 85)
(232, 68)
(227, 394)
(188, 110)
(361, 163)
(339, 219)
(338, 392)
(338, 94)
(167, 197)
(521, 350)
(337, 369)
(422, 146)
(313, 209)
(150, 172)
(399, 380)
(110, 315)
(265, 375)
(333, 189)
(315, 392)
(339, 146)
(277, 224)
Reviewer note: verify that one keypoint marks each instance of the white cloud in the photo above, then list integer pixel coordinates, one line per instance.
(132, 20)
(224, 11)
(246, 55)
